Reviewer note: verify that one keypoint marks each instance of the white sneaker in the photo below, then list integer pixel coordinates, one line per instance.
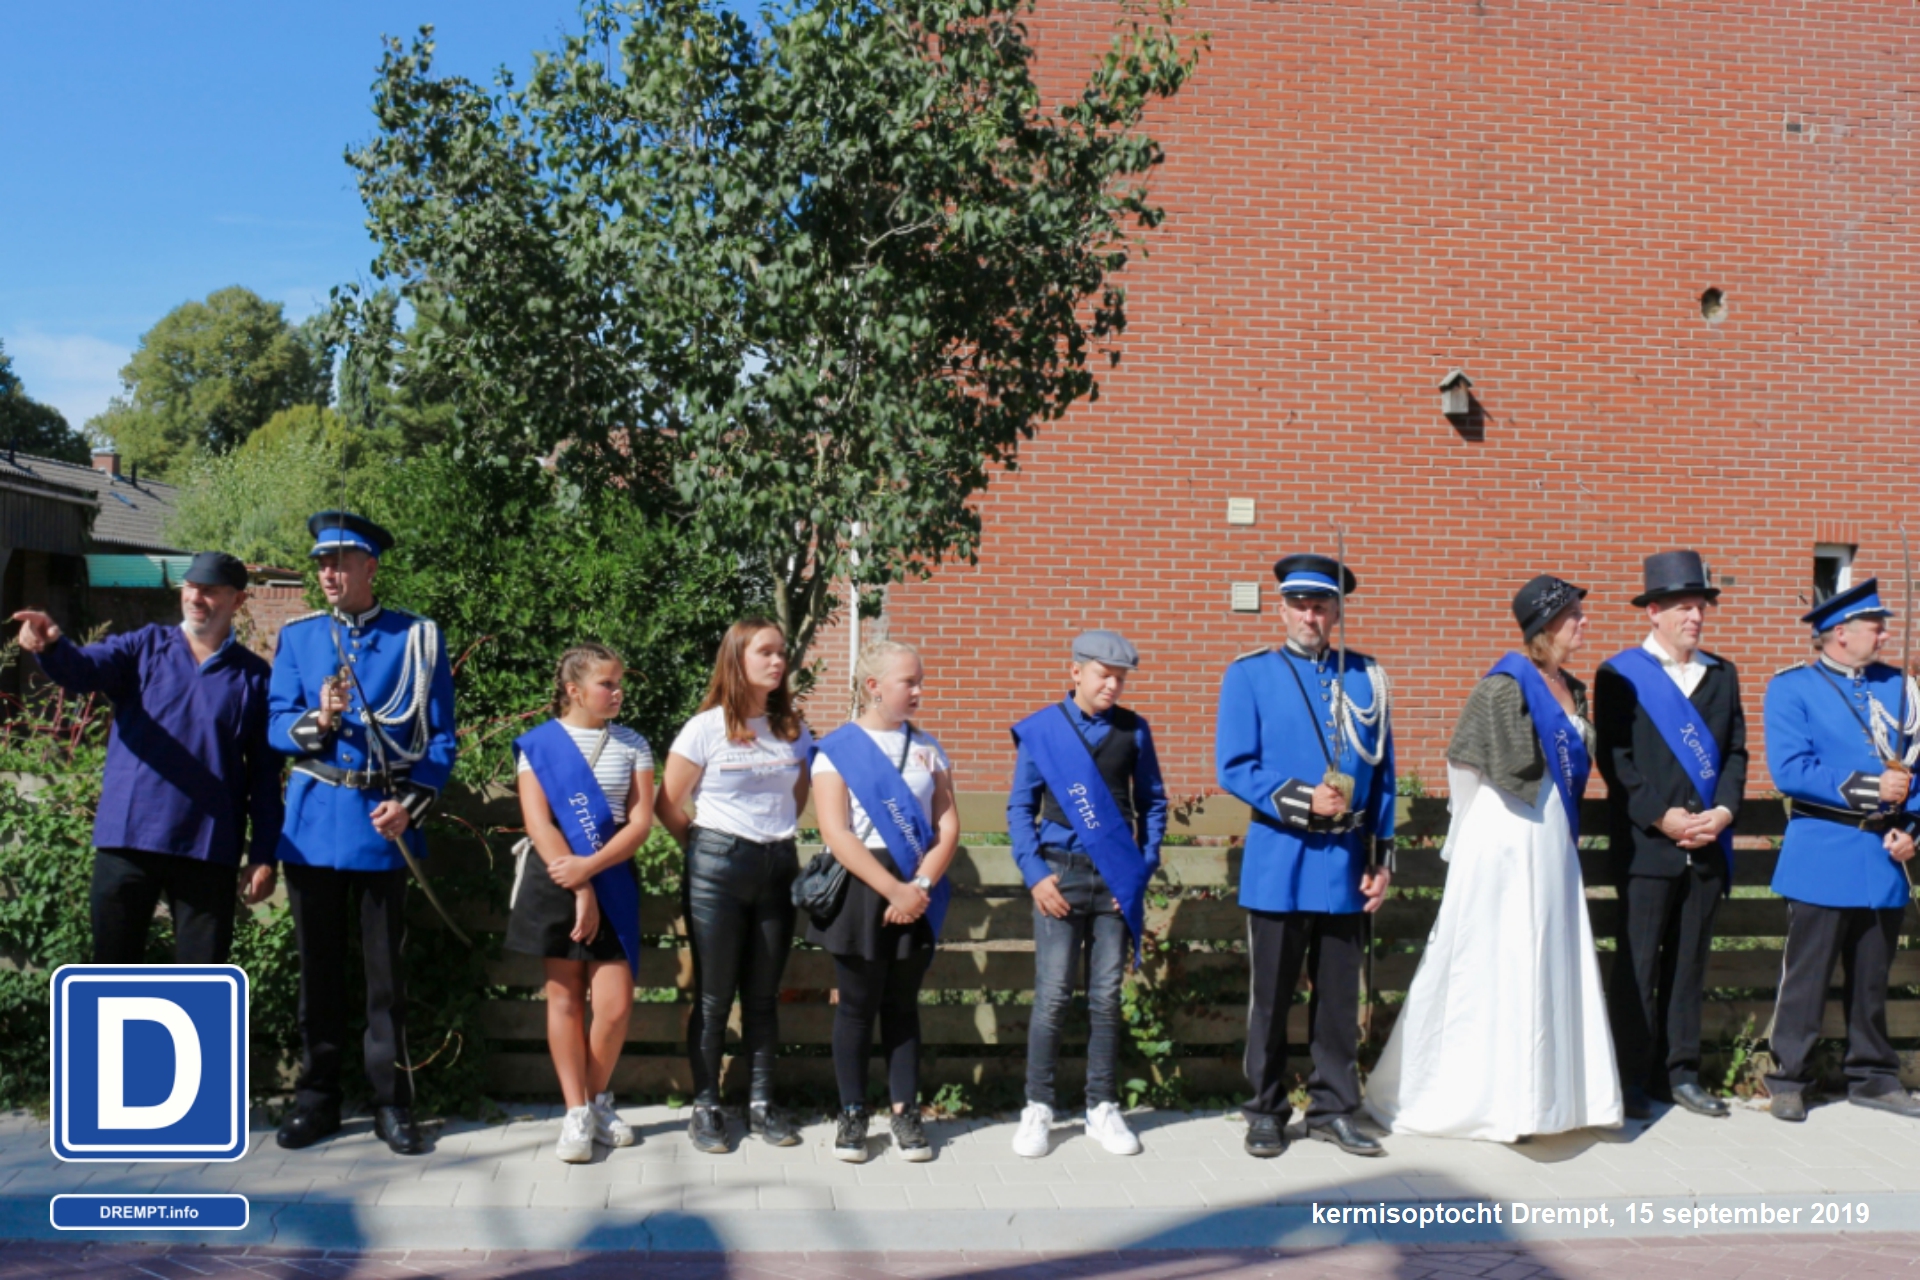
(1034, 1138)
(576, 1136)
(1107, 1126)
(609, 1130)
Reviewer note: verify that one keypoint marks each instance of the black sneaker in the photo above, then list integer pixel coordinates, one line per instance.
(909, 1139)
(772, 1125)
(850, 1135)
(708, 1130)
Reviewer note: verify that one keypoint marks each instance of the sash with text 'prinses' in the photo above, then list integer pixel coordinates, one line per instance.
(1678, 721)
(1568, 763)
(890, 805)
(581, 812)
(1067, 766)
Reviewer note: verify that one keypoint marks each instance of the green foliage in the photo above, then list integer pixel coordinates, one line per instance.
(32, 427)
(806, 286)
(253, 502)
(514, 575)
(206, 377)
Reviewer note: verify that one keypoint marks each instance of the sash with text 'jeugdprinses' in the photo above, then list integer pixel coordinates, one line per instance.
(1067, 766)
(1568, 763)
(890, 805)
(1678, 721)
(581, 812)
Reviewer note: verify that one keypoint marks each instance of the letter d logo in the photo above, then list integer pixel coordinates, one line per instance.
(149, 1062)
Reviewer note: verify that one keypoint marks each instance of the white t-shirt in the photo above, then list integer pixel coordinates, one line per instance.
(746, 788)
(924, 759)
(625, 754)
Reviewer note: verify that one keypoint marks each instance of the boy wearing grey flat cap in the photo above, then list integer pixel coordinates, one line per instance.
(1086, 815)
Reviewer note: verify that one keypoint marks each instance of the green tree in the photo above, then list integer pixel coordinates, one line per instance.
(205, 377)
(254, 501)
(32, 427)
(805, 286)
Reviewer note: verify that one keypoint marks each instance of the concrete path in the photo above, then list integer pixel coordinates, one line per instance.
(499, 1187)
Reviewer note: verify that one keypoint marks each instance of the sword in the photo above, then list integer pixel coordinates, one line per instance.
(1906, 646)
(1337, 778)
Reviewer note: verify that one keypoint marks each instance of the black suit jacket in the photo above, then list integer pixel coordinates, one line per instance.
(1644, 780)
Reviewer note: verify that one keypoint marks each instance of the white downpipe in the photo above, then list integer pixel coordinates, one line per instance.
(853, 628)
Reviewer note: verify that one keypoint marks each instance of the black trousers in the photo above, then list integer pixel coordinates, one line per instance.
(321, 898)
(1865, 939)
(129, 883)
(886, 991)
(1659, 974)
(1331, 947)
(738, 896)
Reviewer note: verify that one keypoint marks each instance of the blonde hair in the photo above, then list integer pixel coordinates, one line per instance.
(572, 669)
(876, 658)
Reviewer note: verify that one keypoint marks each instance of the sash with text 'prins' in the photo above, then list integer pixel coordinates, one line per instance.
(580, 810)
(889, 803)
(1067, 766)
(1678, 721)
(1568, 763)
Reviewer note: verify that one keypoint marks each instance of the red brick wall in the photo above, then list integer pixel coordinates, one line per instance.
(267, 610)
(1364, 194)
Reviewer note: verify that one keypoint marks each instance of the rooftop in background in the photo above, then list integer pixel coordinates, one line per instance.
(133, 512)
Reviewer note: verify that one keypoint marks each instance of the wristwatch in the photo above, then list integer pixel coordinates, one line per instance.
(921, 883)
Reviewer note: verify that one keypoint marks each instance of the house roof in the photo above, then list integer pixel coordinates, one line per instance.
(133, 514)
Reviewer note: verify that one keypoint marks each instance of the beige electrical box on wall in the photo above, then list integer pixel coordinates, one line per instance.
(1246, 597)
(1239, 510)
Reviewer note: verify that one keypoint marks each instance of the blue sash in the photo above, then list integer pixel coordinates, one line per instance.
(1568, 763)
(587, 822)
(889, 804)
(1674, 715)
(1066, 765)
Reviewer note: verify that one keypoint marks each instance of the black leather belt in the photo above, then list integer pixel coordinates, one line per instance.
(356, 779)
(1338, 825)
(1875, 820)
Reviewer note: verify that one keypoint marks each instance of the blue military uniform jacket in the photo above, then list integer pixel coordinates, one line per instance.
(402, 668)
(1267, 751)
(1818, 751)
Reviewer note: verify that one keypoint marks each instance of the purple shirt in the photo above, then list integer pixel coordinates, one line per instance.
(188, 763)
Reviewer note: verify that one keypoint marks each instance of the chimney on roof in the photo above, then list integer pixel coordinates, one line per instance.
(107, 460)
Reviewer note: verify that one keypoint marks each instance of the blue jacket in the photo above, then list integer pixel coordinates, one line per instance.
(1818, 751)
(188, 765)
(1268, 743)
(331, 826)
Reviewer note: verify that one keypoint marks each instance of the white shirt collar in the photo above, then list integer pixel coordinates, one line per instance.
(1701, 658)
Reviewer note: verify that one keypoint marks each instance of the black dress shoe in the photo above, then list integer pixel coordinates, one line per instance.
(1788, 1106)
(1635, 1103)
(1343, 1133)
(307, 1126)
(1699, 1101)
(1898, 1101)
(770, 1124)
(708, 1130)
(395, 1126)
(1265, 1138)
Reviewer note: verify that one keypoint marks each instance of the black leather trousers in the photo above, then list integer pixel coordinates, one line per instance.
(737, 895)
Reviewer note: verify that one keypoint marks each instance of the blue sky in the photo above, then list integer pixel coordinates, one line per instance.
(157, 152)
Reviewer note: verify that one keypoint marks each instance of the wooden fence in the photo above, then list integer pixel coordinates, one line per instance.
(975, 1027)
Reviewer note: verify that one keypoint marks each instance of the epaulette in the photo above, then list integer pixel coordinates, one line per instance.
(305, 617)
(1254, 653)
(1791, 666)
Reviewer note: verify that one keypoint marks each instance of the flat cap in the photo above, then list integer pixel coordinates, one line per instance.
(217, 569)
(1108, 648)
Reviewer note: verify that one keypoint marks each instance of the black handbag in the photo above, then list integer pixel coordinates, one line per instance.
(821, 888)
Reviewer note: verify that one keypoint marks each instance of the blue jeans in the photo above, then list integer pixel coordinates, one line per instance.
(1093, 929)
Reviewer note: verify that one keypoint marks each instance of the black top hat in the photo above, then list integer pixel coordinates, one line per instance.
(1541, 601)
(1308, 575)
(217, 569)
(1675, 573)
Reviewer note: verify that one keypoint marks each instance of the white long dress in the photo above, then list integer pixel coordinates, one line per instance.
(1504, 1031)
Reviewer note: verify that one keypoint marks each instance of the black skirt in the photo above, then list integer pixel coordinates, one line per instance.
(860, 930)
(541, 921)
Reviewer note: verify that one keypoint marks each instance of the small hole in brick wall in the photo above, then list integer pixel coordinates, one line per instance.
(1713, 306)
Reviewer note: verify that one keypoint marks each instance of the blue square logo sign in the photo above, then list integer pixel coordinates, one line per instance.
(149, 1062)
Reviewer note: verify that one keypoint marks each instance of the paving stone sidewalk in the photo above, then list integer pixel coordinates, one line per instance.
(499, 1186)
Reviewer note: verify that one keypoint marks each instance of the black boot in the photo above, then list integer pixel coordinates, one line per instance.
(395, 1126)
(772, 1125)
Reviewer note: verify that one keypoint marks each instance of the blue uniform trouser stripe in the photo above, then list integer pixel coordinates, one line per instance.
(1864, 940)
(1330, 947)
